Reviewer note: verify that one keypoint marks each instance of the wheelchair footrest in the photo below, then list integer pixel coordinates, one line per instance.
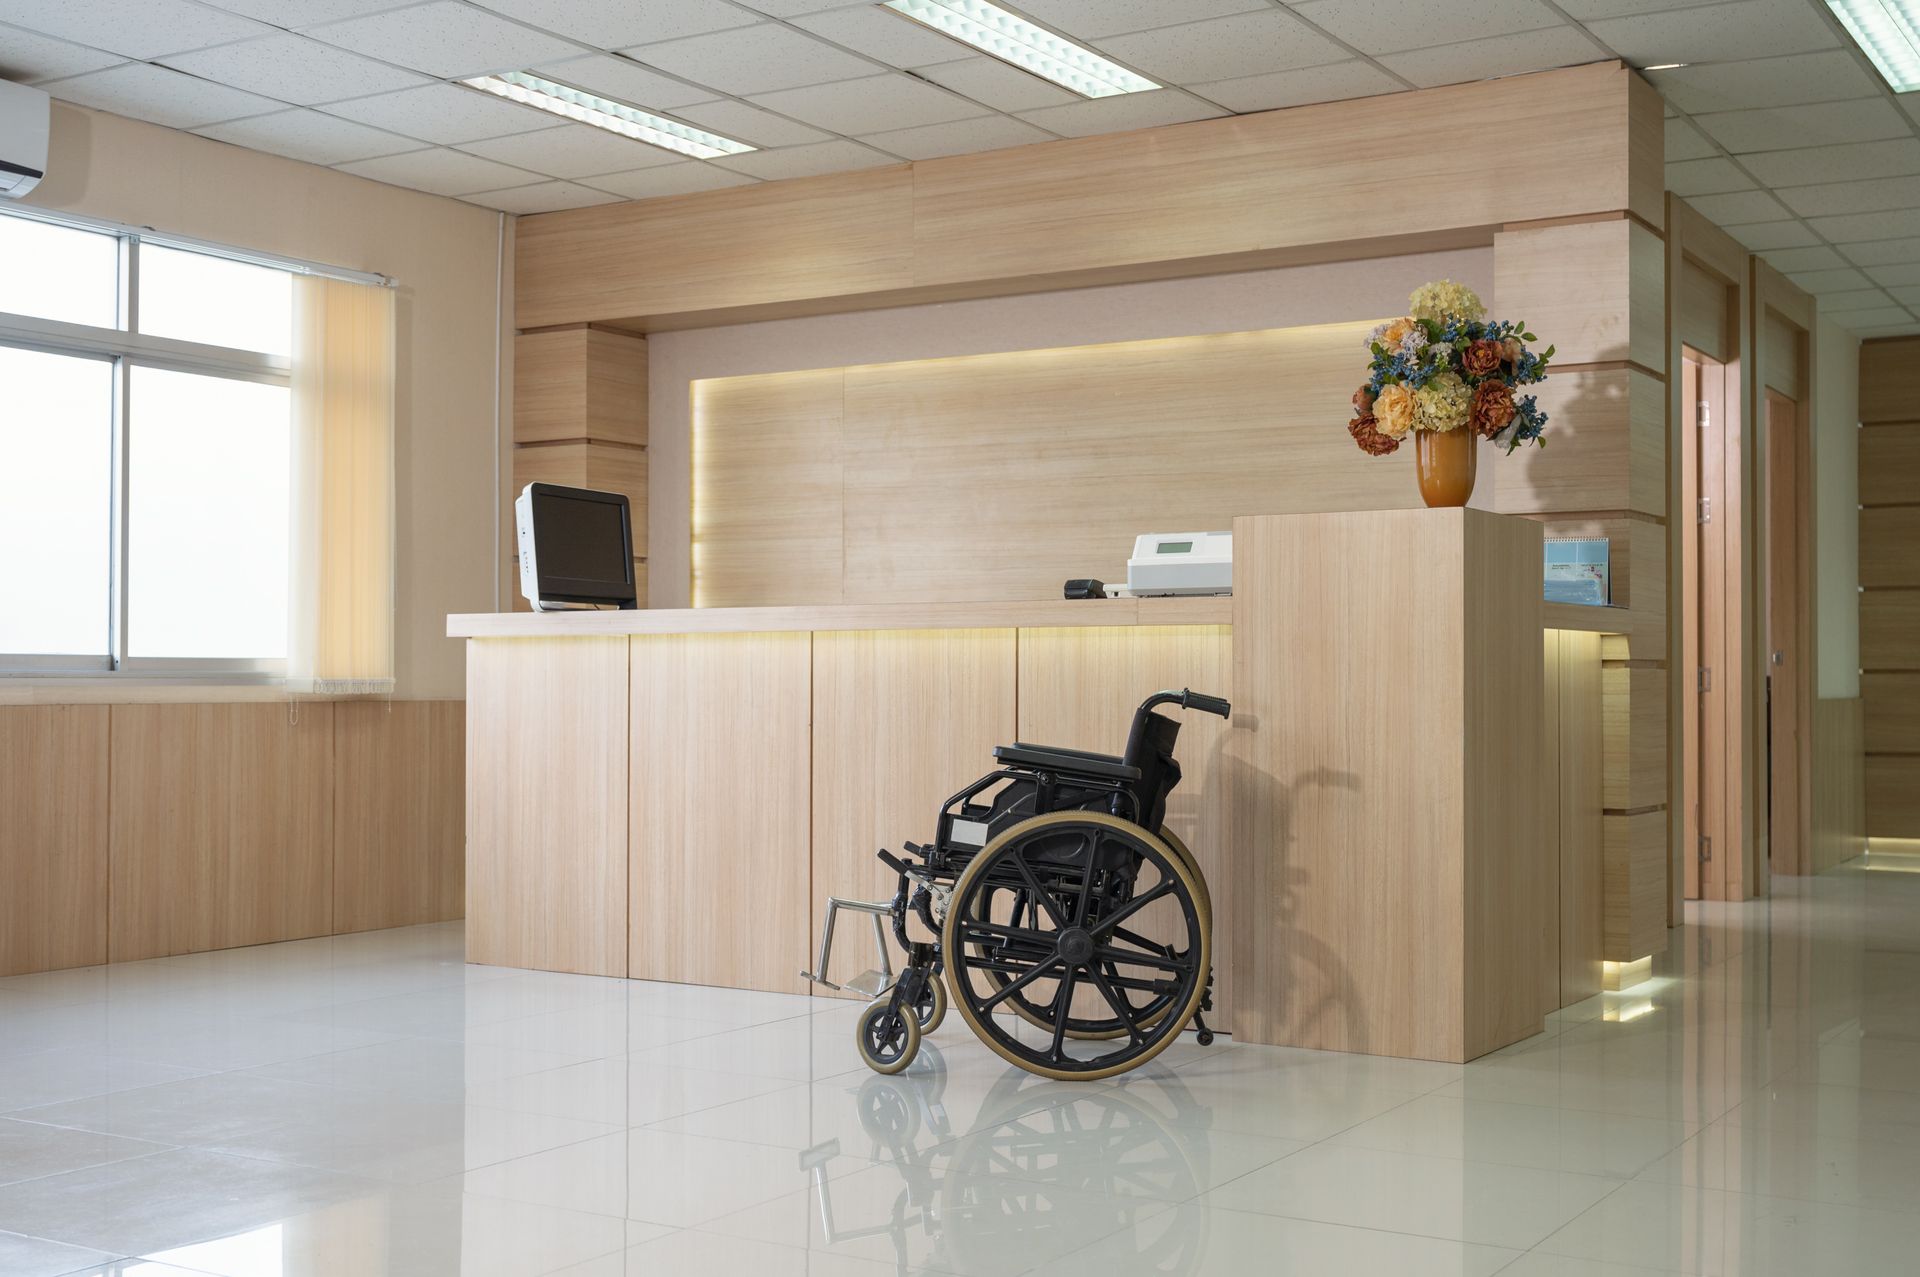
(869, 984)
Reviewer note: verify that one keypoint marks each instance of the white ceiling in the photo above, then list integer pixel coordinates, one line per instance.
(1779, 130)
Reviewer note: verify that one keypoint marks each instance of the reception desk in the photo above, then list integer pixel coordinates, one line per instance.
(671, 795)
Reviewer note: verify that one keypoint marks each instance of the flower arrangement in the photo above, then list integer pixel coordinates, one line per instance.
(1445, 366)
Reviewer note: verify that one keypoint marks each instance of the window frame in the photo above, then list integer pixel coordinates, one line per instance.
(125, 347)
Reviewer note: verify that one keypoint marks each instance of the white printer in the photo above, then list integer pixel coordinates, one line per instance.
(1180, 563)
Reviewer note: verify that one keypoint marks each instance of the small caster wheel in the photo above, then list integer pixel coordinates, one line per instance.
(1206, 1037)
(886, 1037)
(931, 1009)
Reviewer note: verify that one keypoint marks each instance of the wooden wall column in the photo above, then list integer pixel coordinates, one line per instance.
(1890, 586)
(580, 419)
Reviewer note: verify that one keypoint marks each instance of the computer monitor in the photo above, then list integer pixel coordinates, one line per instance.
(576, 548)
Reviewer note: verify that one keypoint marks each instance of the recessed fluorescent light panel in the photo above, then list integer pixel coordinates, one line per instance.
(1888, 32)
(1011, 38)
(604, 113)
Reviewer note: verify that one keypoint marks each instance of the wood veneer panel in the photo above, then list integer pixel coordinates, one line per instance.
(768, 510)
(1892, 712)
(1579, 750)
(720, 802)
(1594, 290)
(1391, 892)
(1890, 548)
(1890, 630)
(547, 804)
(997, 614)
(579, 383)
(399, 813)
(1634, 919)
(901, 720)
(1707, 315)
(1893, 796)
(1890, 462)
(1606, 447)
(1839, 780)
(1634, 714)
(222, 826)
(53, 837)
(1890, 379)
(1079, 688)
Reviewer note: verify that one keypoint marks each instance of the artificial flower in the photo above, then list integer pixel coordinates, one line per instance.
(1363, 401)
(1366, 432)
(1443, 300)
(1442, 404)
(1513, 349)
(1393, 409)
(1482, 358)
(1493, 408)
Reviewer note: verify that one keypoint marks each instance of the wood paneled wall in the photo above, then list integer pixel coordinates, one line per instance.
(137, 831)
(1230, 194)
(1839, 782)
(1890, 584)
(1000, 476)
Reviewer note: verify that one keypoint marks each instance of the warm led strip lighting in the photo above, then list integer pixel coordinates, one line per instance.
(1888, 32)
(604, 113)
(1013, 39)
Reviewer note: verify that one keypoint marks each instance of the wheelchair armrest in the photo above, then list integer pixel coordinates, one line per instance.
(1071, 761)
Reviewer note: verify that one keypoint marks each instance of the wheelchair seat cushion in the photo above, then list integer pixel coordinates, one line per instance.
(1072, 761)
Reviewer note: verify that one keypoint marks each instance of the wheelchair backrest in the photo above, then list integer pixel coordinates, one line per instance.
(1150, 748)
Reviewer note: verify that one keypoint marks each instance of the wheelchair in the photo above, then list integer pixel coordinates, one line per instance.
(1074, 931)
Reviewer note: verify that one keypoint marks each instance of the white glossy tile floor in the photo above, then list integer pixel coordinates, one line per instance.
(370, 1105)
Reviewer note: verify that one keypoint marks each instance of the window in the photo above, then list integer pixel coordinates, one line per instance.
(145, 446)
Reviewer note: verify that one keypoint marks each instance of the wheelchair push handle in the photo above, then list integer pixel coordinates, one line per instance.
(1186, 698)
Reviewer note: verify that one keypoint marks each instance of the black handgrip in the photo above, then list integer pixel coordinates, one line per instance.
(893, 862)
(1207, 704)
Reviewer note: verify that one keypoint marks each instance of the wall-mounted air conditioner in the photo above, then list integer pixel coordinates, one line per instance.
(24, 112)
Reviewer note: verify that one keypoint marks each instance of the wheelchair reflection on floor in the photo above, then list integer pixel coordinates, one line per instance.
(1074, 930)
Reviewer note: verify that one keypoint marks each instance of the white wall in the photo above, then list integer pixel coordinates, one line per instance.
(1242, 302)
(1836, 505)
(445, 256)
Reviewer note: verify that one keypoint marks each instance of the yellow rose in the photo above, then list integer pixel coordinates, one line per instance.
(1393, 410)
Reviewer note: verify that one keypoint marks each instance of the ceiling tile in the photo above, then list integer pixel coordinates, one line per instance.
(541, 197)
(1374, 26)
(670, 179)
(135, 28)
(1870, 196)
(761, 59)
(750, 124)
(312, 136)
(443, 113)
(440, 171)
(1883, 251)
(1906, 294)
(1739, 206)
(993, 83)
(1584, 10)
(1853, 299)
(1810, 124)
(792, 8)
(148, 92)
(884, 34)
(1091, 19)
(1495, 56)
(1733, 86)
(1849, 162)
(1685, 142)
(445, 38)
(1875, 322)
(1717, 33)
(1689, 178)
(1899, 273)
(1124, 111)
(616, 77)
(1335, 83)
(302, 13)
(1847, 227)
(1813, 257)
(294, 69)
(867, 105)
(613, 24)
(1829, 281)
(804, 161)
(1761, 236)
(988, 133)
(26, 57)
(572, 150)
(1223, 48)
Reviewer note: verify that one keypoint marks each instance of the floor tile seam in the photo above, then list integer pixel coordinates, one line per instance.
(1367, 1228)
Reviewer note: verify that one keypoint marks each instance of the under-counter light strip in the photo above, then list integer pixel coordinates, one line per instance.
(1888, 32)
(604, 113)
(1011, 38)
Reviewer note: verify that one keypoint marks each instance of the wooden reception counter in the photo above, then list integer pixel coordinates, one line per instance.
(671, 794)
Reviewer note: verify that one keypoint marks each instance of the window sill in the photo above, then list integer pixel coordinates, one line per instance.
(83, 689)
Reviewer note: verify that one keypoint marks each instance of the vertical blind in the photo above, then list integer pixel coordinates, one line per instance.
(341, 624)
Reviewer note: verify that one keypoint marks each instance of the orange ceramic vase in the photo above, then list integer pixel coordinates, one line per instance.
(1444, 461)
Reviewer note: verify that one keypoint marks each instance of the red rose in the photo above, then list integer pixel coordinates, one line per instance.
(1491, 408)
(1482, 358)
(1366, 432)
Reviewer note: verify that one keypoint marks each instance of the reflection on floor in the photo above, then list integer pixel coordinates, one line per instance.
(368, 1105)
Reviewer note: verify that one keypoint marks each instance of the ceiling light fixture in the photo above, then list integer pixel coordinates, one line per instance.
(1888, 32)
(1013, 39)
(1667, 66)
(604, 113)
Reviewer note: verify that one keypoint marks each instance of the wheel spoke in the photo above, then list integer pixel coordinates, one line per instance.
(1154, 960)
(1132, 907)
(1121, 1007)
(1062, 1005)
(1014, 986)
(976, 931)
(1040, 894)
(1086, 881)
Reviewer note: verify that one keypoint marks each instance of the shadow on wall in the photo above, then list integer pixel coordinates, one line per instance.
(1574, 452)
(69, 155)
